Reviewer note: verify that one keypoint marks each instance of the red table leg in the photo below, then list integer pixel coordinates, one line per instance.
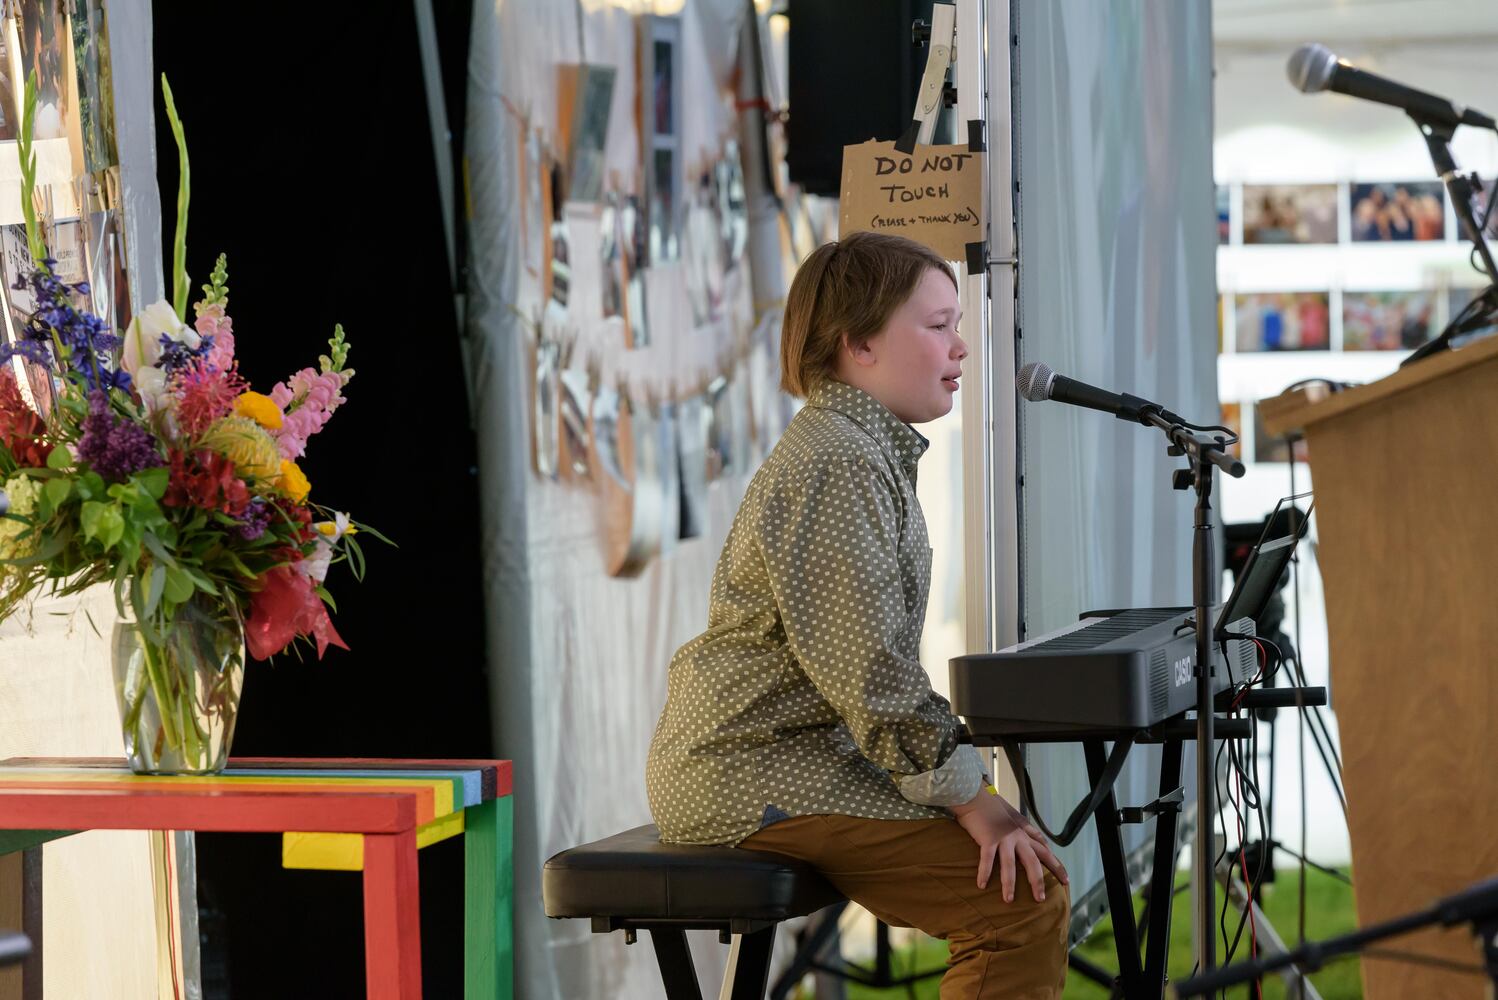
(392, 917)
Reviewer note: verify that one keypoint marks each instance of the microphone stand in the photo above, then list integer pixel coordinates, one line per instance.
(1438, 141)
(1204, 455)
(1476, 905)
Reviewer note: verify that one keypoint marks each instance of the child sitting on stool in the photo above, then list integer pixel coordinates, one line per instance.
(801, 722)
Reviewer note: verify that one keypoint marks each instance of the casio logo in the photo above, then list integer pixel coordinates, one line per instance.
(1183, 669)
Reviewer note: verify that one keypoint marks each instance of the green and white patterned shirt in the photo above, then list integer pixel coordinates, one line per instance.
(805, 695)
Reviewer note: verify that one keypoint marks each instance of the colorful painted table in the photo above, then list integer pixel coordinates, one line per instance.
(344, 814)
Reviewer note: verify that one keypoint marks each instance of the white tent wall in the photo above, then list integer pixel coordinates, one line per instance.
(1113, 146)
(578, 658)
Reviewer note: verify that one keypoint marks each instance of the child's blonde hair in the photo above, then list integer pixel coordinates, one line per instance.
(847, 288)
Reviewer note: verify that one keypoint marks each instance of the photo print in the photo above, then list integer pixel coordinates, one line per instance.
(1290, 213)
(39, 26)
(1387, 321)
(1398, 212)
(1283, 321)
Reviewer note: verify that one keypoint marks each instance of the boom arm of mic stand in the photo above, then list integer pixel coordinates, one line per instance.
(1438, 141)
(1192, 444)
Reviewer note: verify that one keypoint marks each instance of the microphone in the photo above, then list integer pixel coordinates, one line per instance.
(1314, 67)
(1037, 382)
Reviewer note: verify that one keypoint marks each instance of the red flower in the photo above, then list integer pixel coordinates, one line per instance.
(20, 427)
(205, 394)
(205, 479)
(283, 608)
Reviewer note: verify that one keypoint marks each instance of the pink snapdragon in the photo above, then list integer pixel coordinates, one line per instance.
(308, 403)
(214, 322)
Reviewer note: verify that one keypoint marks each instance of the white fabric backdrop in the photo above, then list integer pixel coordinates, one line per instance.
(1116, 243)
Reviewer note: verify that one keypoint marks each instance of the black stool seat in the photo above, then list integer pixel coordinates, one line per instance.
(631, 882)
(634, 878)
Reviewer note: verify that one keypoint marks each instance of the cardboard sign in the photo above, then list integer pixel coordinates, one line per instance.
(933, 196)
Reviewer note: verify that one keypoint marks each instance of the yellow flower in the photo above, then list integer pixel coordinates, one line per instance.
(259, 408)
(337, 528)
(293, 481)
(241, 441)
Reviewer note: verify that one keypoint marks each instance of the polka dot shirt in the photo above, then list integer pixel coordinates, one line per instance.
(805, 695)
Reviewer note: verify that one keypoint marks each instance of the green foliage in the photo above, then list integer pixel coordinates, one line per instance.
(34, 241)
(339, 350)
(216, 292)
(180, 281)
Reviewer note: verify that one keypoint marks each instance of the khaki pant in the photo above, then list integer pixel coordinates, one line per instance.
(924, 874)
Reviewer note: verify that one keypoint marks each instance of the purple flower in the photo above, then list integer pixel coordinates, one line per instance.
(176, 355)
(87, 340)
(253, 522)
(114, 448)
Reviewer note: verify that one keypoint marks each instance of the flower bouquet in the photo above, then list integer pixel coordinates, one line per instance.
(148, 462)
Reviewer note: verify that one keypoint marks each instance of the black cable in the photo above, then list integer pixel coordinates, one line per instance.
(1085, 808)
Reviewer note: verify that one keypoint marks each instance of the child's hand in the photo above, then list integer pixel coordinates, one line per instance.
(1000, 831)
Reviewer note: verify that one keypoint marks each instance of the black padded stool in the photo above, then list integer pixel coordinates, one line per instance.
(632, 881)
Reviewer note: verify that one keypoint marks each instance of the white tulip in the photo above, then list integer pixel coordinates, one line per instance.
(143, 339)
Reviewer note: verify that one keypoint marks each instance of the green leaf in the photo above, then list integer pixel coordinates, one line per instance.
(154, 481)
(180, 285)
(201, 582)
(327, 598)
(155, 583)
(89, 517)
(154, 546)
(111, 526)
(59, 458)
(58, 490)
(179, 585)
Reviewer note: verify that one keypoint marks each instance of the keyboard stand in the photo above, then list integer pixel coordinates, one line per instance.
(1142, 951)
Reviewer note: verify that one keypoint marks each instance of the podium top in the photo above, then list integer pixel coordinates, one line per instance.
(1297, 410)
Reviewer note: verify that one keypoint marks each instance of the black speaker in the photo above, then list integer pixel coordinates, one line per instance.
(854, 72)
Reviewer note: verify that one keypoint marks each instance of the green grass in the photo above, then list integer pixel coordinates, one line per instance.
(1329, 911)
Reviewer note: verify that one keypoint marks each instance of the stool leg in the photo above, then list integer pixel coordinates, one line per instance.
(392, 917)
(749, 965)
(675, 960)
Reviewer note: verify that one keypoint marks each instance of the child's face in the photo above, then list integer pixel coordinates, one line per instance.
(912, 365)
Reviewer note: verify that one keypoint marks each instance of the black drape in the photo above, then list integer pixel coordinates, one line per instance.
(313, 169)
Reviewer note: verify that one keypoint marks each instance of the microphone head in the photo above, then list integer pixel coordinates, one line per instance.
(1034, 381)
(1310, 67)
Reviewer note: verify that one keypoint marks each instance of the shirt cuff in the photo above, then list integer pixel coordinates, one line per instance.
(952, 784)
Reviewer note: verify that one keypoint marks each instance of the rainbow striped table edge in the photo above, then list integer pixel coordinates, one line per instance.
(342, 808)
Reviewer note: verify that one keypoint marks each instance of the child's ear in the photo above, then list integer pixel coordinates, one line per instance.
(861, 354)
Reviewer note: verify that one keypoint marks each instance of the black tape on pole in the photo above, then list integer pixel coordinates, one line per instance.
(977, 257)
(906, 143)
(975, 141)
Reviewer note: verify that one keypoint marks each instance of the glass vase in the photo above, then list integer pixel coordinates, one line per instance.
(179, 693)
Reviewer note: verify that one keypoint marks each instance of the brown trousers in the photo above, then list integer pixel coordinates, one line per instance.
(924, 874)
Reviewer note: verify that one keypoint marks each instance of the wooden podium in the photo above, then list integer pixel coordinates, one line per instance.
(1406, 477)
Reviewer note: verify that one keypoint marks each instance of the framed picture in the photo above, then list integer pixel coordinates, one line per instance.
(660, 132)
(1290, 213)
(1283, 321)
(1224, 221)
(42, 42)
(95, 87)
(1398, 212)
(586, 124)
